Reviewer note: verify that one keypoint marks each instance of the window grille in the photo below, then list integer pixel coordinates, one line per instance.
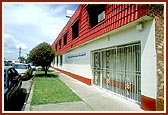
(118, 69)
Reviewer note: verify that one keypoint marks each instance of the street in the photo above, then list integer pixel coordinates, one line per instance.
(17, 102)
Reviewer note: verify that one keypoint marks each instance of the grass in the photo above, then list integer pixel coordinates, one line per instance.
(50, 89)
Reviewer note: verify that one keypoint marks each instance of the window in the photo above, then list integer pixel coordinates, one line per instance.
(65, 39)
(119, 69)
(96, 13)
(60, 44)
(56, 47)
(75, 29)
(57, 60)
(60, 60)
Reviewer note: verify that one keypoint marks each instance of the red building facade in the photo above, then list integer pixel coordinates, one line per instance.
(95, 22)
(116, 15)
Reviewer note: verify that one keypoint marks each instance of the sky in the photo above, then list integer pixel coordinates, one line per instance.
(27, 25)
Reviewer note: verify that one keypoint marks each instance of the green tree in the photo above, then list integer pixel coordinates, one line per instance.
(42, 55)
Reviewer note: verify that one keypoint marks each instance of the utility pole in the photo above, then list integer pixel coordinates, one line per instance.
(20, 54)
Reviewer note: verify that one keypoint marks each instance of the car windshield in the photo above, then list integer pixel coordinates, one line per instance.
(20, 66)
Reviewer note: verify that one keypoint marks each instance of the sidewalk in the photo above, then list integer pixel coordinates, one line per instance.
(94, 99)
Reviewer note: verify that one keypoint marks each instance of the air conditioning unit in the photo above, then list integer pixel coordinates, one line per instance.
(101, 16)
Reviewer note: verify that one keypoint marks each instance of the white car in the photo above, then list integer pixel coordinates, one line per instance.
(22, 68)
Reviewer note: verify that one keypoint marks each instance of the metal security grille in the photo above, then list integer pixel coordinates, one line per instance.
(118, 69)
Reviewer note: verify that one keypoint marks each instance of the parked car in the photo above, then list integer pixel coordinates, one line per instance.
(12, 82)
(24, 69)
(32, 66)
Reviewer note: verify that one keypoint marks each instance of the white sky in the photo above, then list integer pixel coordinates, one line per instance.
(27, 25)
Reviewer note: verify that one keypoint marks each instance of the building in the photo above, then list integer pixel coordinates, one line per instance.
(117, 47)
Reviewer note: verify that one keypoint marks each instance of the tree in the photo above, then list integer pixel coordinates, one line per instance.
(42, 55)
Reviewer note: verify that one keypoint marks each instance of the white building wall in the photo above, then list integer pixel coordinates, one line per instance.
(81, 65)
(148, 63)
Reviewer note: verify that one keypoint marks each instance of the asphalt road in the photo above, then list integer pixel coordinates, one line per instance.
(17, 103)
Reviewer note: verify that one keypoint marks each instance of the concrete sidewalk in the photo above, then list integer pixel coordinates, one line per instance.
(94, 99)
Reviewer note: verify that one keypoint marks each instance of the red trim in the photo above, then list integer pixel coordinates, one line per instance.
(78, 77)
(148, 103)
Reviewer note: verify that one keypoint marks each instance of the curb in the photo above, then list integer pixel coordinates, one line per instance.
(26, 106)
